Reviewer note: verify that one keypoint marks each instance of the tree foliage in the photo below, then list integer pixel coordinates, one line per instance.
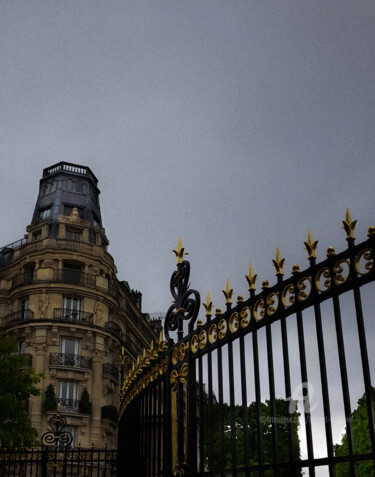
(49, 401)
(18, 383)
(362, 442)
(85, 405)
(226, 430)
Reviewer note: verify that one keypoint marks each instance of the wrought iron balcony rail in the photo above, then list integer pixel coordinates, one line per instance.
(25, 278)
(21, 315)
(68, 314)
(114, 328)
(110, 370)
(75, 277)
(71, 360)
(68, 405)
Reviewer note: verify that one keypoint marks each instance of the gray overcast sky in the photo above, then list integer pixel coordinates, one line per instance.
(236, 125)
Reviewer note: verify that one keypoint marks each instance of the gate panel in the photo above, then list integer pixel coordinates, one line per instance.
(257, 390)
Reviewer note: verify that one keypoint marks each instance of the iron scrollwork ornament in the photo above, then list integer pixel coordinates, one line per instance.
(57, 437)
(186, 302)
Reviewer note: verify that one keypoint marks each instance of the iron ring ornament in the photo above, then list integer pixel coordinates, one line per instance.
(186, 302)
(57, 436)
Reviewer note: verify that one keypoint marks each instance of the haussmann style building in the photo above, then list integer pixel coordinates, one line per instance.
(61, 300)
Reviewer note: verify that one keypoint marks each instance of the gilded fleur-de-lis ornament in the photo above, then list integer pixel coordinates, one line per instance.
(349, 225)
(278, 263)
(208, 305)
(310, 245)
(228, 292)
(180, 252)
(251, 278)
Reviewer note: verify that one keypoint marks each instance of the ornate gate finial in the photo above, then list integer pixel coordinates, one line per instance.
(186, 302)
(57, 435)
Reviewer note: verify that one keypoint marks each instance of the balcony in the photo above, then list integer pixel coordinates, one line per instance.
(68, 405)
(16, 316)
(23, 279)
(113, 328)
(111, 371)
(74, 277)
(77, 316)
(70, 360)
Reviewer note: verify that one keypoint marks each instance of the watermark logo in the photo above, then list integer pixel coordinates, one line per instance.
(303, 392)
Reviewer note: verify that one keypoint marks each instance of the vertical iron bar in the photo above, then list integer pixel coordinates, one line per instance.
(245, 422)
(344, 379)
(271, 380)
(233, 438)
(307, 415)
(258, 403)
(192, 416)
(154, 430)
(220, 409)
(201, 416)
(210, 410)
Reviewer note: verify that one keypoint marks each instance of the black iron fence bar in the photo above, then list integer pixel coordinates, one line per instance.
(201, 410)
(70, 314)
(233, 434)
(111, 370)
(244, 405)
(20, 315)
(258, 398)
(221, 423)
(67, 359)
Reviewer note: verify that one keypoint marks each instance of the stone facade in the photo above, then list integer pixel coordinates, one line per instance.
(61, 300)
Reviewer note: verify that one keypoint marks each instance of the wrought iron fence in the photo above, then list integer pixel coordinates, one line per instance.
(267, 386)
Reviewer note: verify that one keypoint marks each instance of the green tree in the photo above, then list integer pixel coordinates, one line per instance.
(49, 402)
(85, 405)
(18, 383)
(362, 442)
(222, 417)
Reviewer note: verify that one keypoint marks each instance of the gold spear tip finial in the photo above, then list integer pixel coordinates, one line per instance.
(228, 292)
(58, 410)
(349, 225)
(310, 245)
(278, 263)
(208, 305)
(180, 252)
(251, 278)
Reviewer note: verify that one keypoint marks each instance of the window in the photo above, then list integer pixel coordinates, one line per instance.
(69, 352)
(72, 273)
(71, 308)
(21, 347)
(73, 234)
(37, 236)
(24, 308)
(69, 208)
(67, 395)
(45, 213)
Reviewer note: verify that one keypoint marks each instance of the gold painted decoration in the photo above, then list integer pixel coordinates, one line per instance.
(175, 356)
(310, 245)
(202, 339)
(364, 262)
(342, 271)
(223, 328)
(228, 292)
(251, 278)
(176, 377)
(182, 350)
(259, 310)
(323, 280)
(349, 225)
(212, 334)
(371, 231)
(162, 345)
(152, 351)
(278, 263)
(304, 288)
(180, 252)
(296, 269)
(234, 322)
(208, 305)
(239, 299)
(265, 284)
(245, 317)
(218, 312)
(273, 303)
(194, 344)
(288, 297)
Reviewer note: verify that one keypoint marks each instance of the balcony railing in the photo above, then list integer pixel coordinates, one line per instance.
(75, 277)
(71, 360)
(23, 279)
(21, 315)
(113, 328)
(68, 314)
(110, 370)
(68, 405)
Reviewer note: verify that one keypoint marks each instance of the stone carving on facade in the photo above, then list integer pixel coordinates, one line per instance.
(43, 304)
(98, 313)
